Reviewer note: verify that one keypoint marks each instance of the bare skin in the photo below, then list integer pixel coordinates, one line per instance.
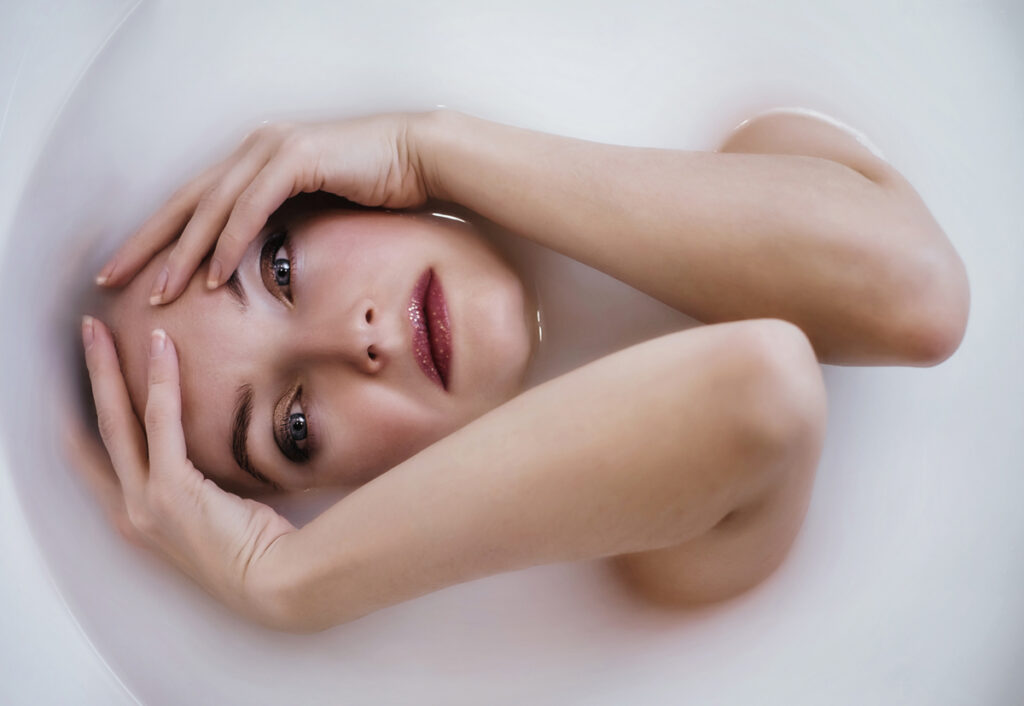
(688, 458)
(743, 549)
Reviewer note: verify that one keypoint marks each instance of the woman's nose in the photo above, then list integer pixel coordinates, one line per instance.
(359, 336)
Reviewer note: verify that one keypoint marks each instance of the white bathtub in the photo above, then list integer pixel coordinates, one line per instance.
(904, 584)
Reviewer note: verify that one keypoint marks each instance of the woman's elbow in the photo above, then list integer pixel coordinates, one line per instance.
(934, 303)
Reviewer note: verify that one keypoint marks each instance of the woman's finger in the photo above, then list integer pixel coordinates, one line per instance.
(167, 451)
(118, 425)
(164, 226)
(159, 229)
(276, 182)
(91, 459)
(87, 455)
(206, 223)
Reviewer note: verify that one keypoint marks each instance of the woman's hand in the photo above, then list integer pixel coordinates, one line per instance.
(87, 455)
(372, 161)
(219, 539)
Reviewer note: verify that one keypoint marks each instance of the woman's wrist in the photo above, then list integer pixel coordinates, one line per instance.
(305, 582)
(427, 135)
(276, 587)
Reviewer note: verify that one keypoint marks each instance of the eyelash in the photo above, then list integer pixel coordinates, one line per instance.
(290, 445)
(269, 273)
(268, 260)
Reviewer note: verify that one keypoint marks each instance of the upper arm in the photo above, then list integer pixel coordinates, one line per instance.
(937, 292)
(644, 447)
(809, 136)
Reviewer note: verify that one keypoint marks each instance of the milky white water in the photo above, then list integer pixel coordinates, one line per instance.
(903, 585)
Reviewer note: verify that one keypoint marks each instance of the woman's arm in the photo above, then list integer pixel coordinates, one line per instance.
(861, 267)
(841, 246)
(646, 448)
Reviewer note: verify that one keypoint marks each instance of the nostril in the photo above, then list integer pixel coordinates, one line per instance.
(372, 353)
(369, 315)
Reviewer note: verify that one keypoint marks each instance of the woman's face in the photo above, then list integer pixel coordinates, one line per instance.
(304, 371)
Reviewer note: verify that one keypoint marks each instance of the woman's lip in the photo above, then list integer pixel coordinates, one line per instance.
(421, 345)
(440, 329)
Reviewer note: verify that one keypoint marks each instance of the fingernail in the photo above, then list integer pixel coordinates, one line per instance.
(105, 273)
(157, 342)
(213, 279)
(87, 331)
(157, 295)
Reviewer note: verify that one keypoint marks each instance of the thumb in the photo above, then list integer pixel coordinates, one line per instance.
(164, 432)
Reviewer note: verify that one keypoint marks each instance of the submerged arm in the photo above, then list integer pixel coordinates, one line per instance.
(857, 264)
(645, 448)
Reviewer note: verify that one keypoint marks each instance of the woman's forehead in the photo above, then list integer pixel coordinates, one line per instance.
(209, 332)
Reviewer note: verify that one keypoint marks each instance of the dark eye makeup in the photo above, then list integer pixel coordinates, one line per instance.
(276, 266)
(291, 428)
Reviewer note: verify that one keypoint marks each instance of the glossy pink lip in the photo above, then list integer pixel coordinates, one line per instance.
(431, 329)
(440, 328)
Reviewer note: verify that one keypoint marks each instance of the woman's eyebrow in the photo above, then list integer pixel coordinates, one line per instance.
(240, 435)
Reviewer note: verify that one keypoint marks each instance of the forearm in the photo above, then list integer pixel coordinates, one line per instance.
(720, 236)
(600, 461)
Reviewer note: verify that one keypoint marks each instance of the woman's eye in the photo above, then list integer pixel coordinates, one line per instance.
(291, 430)
(282, 268)
(297, 423)
(276, 266)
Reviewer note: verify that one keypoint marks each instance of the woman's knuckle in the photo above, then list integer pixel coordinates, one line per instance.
(248, 201)
(156, 419)
(269, 132)
(183, 197)
(231, 238)
(299, 145)
(107, 423)
(142, 519)
(209, 199)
